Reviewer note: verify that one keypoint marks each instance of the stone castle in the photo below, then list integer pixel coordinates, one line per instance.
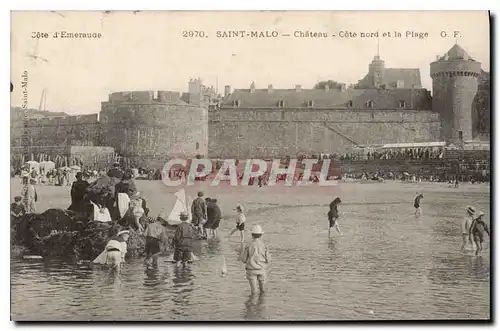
(388, 105)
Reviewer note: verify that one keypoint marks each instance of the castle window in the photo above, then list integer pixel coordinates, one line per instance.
(310, 103)
(281, 103)
(349, 104)
(370, 104)
(236, 103)
(402, 104)
(197, 145)
(460, 135)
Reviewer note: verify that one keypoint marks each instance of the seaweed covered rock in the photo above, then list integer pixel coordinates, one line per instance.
(63, 233)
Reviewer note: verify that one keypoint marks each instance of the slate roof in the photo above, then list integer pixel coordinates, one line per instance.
(410, 78)
(456, 53)
(334, 98)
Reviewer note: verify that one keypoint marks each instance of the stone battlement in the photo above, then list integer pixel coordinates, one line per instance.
(145, 97)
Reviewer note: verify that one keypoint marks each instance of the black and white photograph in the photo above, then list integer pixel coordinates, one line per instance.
(250, 166)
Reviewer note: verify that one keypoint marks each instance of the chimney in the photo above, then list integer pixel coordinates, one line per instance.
(252, 87)
(298, 88)
(270, 88)
(227, 90)
(327, 87)
(342, 87)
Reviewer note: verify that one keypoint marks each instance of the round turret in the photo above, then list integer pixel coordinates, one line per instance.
(454, 85)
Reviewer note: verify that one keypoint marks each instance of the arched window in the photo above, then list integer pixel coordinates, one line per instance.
(370, 104)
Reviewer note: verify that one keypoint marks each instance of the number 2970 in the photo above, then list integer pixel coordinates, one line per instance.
(193, 34)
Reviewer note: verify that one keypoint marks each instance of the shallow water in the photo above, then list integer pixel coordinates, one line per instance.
(387, 265)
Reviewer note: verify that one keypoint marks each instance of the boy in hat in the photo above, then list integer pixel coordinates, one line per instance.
(256, 258)
(477, 230)
(116, 249)
(184, 235)
(240, 222)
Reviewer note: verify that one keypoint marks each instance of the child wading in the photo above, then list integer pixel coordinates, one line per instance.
(256, 258)
(477, 230)
(116, 249)
(333, 216)
(466, 224)
(240, 222)
(154, 233)
(416, 204)
(183, 240)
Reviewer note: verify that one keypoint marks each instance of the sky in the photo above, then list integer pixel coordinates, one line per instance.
(147, 50)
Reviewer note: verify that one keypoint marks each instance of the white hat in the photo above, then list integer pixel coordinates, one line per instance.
(239, 206)
(123, 232)
(257, 229)
(471, 210)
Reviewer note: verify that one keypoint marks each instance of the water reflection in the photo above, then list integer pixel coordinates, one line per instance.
(151, 278)
(183, 283)
(255, 307)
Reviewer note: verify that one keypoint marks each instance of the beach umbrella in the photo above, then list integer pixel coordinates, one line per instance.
(75, 167)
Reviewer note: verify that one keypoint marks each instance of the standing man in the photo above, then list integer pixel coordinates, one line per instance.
(256, 258)
(210, 219)
(217, 215)
(199, 211)
(183, 240)
(78, 193)
(416, 204)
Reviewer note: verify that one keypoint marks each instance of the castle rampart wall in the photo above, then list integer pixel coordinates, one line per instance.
(267, 133)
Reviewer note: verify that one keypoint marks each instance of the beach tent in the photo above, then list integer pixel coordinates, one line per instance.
(33, 165)
(47, 166)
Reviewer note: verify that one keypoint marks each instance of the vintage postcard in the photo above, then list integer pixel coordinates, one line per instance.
(244, 166)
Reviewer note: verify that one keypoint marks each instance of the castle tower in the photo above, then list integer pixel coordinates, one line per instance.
(454, 86)
(195, 86)
(376, 70)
